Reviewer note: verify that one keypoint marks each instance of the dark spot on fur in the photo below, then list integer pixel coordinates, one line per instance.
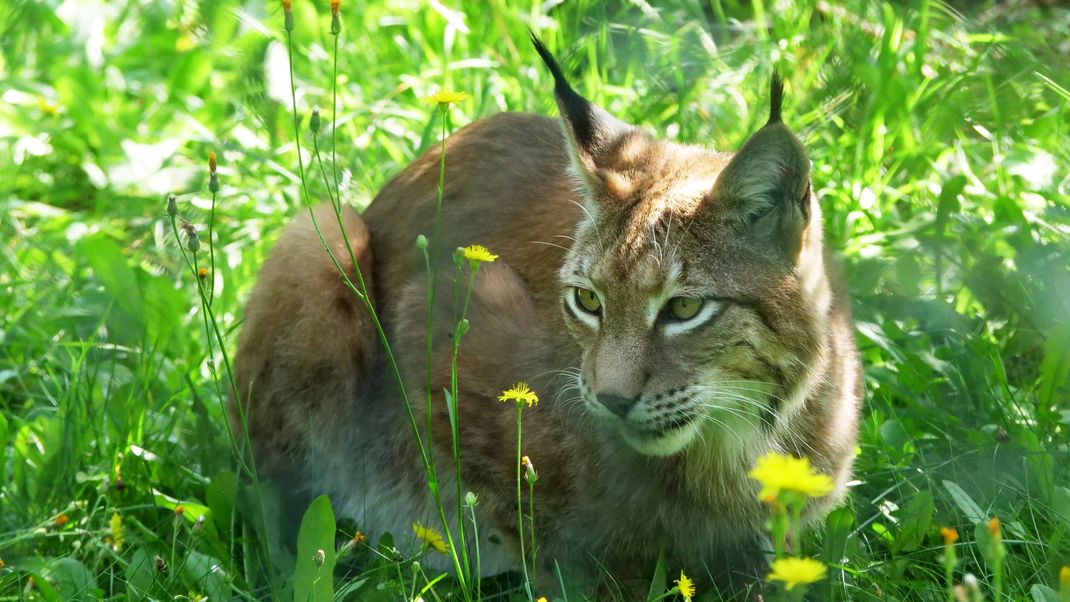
(344, 306)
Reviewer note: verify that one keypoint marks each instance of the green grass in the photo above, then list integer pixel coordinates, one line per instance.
(938, 135)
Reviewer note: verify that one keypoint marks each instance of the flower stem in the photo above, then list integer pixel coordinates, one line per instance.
(520, 502)
(531, 521)
(362, 294)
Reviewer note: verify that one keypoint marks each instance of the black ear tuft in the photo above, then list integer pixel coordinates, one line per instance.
(577, 110)
(776, 99)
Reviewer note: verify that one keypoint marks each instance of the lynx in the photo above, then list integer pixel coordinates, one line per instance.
(674, 308)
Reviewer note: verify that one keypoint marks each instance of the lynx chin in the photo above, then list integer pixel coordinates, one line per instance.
(674, 308)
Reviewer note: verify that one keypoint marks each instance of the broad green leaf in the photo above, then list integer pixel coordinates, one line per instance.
(206, 574)
(113, 269)
(73, 580)
(658, 585)
(1055, 369)
(1043, 593)
(190, 510)
(915, 521)
(1061, 504)
(314, 579)
(220, 498)
(973, 512)
(837, 529)
(139, 573)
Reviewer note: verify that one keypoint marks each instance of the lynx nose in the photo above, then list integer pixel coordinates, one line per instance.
(616, 404)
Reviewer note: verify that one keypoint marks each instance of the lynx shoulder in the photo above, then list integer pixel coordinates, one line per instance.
(674, 308)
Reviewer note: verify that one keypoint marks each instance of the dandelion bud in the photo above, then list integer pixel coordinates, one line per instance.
(421, 242)
(458, 256)
(198, 525)
(213, 180)
(172, 206)
(158, 562)
(202, 273)
(314, 121)
(529, 470)
(336, 21)
(950, 535)
(288, 14)
(415, 566)
(193, 243)
(470, 499)
(346, 549)
(319, 557)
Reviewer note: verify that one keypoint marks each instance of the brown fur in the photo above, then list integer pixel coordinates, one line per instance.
(325, 415)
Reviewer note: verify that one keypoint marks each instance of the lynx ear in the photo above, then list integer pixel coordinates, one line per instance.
(767, 183)
(591, 132)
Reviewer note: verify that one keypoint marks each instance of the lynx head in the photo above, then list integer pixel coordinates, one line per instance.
(695, 288)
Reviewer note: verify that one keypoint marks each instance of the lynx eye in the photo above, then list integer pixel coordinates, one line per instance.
(684, 308)
(588, 300)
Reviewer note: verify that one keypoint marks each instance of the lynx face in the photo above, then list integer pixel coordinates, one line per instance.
(689, 287)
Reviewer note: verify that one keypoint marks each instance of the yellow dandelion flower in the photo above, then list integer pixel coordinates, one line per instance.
(118, 537)
(443, 98)
(950, 535)
(781, 472)
(797, 571)
(1064, 576)
(431, 537)
(335, 5)
(686, 587)
(477, 254)
(287, 5)
(202, 273)
(48, 107)
(185, 43)
(520, 393)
